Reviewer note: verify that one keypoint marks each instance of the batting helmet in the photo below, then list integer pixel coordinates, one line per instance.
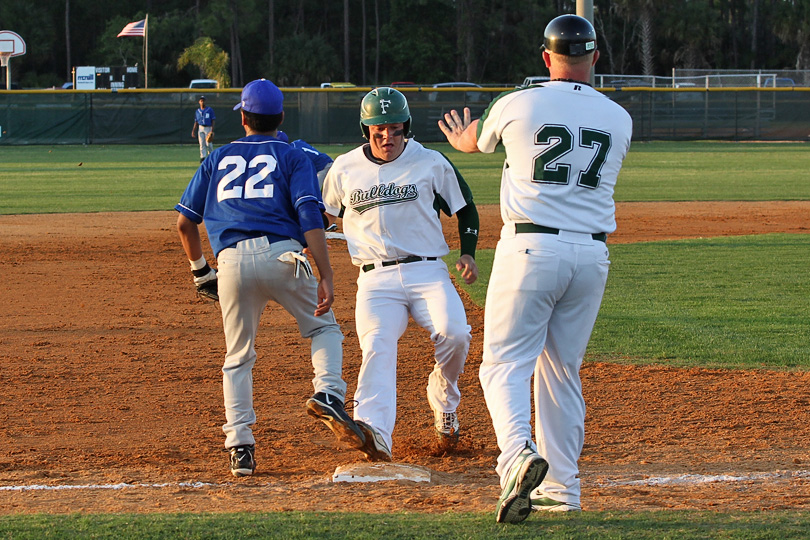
(384, 106)
(569, 35)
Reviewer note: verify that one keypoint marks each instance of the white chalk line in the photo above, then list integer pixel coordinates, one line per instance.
(680, 480)
(696, 479)
(122, 485)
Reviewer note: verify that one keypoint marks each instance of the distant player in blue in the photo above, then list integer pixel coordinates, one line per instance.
(321, 161)
(261, 204)
(204, 128)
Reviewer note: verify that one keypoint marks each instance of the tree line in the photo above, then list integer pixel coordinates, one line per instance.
(372, 42)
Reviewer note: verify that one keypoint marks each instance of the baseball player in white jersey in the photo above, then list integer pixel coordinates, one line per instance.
(260, 200)
(565, 143)
(389, 192)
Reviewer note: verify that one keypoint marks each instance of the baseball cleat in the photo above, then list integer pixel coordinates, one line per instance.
(330, 411)
(447, 428)
(375, 448)
(544, 504)
(242, 460)
(526, 473)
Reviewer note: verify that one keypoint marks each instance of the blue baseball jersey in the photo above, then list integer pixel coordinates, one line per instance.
(318, 158)
(205, 116)
(255, 186)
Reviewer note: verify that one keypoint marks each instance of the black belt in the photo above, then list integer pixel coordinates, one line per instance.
(403, 260)
(532, 228)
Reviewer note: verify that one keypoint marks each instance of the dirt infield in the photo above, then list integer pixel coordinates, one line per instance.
(112, 397)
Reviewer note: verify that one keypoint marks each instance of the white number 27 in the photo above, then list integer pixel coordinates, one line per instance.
(229, 186)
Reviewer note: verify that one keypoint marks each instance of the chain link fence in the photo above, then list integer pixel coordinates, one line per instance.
(710, 78)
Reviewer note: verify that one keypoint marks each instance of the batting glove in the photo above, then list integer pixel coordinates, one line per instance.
(300, 261)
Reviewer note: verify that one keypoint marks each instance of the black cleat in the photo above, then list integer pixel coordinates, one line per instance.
(329, 409)
(242, 460)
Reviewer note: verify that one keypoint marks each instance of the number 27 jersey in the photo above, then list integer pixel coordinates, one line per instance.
(565, 143)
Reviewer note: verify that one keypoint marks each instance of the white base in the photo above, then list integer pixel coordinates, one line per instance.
(380, 472)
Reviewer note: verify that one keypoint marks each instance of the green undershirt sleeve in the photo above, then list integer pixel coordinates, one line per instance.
(468, 229)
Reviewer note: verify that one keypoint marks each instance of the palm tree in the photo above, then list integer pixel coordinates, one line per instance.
(212, 61)
(68, 62)
(641, 11)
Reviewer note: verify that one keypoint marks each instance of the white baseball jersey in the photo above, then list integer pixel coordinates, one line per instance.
(390, 214)
(564, 143)
(389, 210)
(563, 173)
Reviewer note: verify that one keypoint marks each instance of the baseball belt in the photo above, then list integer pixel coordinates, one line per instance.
(403, 260)
(532, 228)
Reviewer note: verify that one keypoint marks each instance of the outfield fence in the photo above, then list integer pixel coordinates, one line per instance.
(331, 116)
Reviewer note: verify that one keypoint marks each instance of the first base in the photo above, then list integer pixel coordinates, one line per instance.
(380, 472)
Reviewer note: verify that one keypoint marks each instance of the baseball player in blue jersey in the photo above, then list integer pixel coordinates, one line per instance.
(260, 201)
(565, 143)
(203, 128)
(321, 161)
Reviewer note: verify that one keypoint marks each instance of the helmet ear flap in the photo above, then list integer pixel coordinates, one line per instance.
(407, 126)
(364, 129)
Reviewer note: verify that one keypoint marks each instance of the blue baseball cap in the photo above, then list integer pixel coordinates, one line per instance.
(283, 137)
(261, 97)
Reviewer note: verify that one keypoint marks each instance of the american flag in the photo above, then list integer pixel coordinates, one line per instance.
(137, 28)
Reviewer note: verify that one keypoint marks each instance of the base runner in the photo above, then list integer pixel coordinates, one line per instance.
(390, 192)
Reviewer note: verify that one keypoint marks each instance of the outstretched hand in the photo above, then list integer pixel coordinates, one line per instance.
(460, 131)
(454, 125)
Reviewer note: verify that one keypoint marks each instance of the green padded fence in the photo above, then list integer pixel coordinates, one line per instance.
(331, 116)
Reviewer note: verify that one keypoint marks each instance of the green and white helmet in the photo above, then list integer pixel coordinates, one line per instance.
(384, 105)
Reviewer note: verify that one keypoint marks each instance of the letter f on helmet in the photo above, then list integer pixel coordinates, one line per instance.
(384, 105)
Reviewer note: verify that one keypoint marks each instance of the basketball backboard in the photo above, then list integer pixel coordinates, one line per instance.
(11, 44)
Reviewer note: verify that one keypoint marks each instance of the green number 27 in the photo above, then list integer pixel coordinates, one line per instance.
(549, 169)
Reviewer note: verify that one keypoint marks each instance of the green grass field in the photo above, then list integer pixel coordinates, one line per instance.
(779, 525)
(36, 179)
(737, 302)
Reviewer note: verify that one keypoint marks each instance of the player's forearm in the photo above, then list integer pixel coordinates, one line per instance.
(316, 242)
(468, 222)
(190, 237)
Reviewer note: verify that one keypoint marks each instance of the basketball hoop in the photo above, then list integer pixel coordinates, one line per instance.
(11, 44)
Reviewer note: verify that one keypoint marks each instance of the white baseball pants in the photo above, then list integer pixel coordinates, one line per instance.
(205, 146)
(250, 275)
(385, 296)
(544, 294)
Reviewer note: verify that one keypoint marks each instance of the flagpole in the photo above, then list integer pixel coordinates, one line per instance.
(146, 52)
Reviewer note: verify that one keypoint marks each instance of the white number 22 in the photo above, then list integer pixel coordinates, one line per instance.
(230, 188)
